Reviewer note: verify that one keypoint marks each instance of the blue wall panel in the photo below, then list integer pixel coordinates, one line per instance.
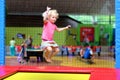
(2, 30)
(117, 39)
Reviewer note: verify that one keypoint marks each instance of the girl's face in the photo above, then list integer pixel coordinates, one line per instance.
(53, 18)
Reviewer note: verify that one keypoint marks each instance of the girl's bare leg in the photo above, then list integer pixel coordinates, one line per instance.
(48, 51)
(55, 51)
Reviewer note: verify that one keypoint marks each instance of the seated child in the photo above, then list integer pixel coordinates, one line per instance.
(86, 53)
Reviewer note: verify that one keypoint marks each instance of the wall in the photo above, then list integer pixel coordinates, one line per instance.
(101, 30)
(33, 31)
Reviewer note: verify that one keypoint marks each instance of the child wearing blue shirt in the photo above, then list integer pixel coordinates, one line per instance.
(87, 53)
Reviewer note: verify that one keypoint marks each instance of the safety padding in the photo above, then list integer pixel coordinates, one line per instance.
(2, 30)
(117, 39)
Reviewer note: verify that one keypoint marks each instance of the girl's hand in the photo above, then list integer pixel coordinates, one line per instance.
(48, 8)
(46, 12)
(69, 26)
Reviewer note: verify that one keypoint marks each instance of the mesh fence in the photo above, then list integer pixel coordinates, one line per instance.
(24, 17)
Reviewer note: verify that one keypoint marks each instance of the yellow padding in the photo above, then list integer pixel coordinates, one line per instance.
(47, 76)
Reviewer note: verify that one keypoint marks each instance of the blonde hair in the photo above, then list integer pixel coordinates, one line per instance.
(53, 12)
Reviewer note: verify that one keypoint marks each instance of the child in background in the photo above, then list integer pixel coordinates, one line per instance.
(63, 48)
(98, 50)
(87, 53)
(22, 53)
(49, 46)
(73, 48)
(12, 46)
(29, 42)
(113, 50)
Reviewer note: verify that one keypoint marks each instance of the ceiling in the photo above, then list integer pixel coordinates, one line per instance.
(91, 7)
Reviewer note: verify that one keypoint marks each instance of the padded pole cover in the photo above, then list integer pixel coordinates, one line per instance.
(117, 33)
(2, 30)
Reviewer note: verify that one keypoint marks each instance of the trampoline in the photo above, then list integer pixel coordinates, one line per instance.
(47, 76)
(57, 73)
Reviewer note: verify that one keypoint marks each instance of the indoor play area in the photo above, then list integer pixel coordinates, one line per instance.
(83, 26)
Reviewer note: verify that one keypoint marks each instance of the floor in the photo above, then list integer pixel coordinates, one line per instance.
(72, 61)
(102, 69)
